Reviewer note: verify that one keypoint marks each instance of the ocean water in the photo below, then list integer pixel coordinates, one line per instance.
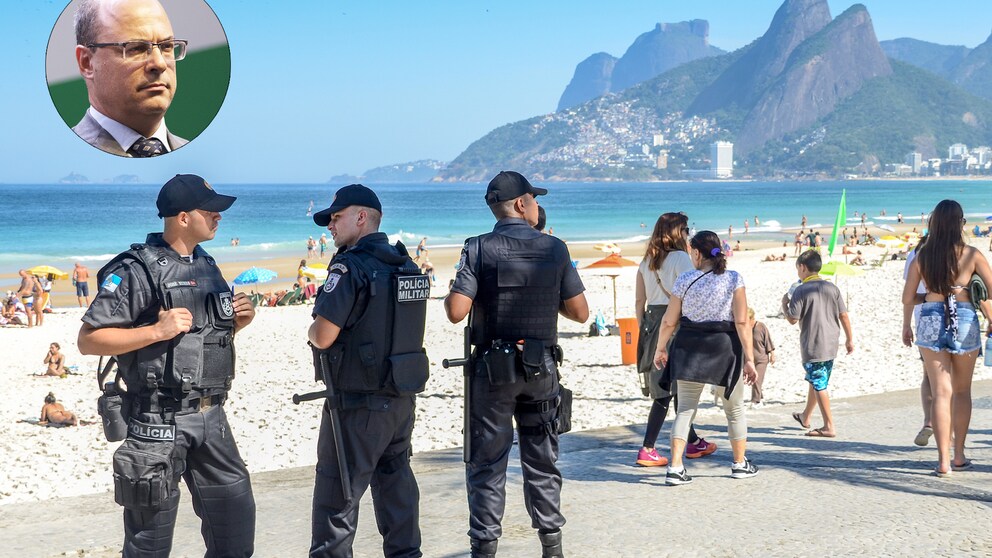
(61, 223)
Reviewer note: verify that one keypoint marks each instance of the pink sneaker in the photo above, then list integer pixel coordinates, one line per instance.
(699, 449)
(650, 458)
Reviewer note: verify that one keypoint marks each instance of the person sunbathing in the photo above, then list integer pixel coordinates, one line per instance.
(54, 413)
(55, 361)
(859, 260)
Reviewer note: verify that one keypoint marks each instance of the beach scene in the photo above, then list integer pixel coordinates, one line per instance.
(613, 160)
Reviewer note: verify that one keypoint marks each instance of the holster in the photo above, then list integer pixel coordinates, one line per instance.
(143, 469)
(532, 357)
(114, 408)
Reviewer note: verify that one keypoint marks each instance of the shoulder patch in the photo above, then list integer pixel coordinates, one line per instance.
(338, 267)
(464, 256)
(111, 283)
(332, 282)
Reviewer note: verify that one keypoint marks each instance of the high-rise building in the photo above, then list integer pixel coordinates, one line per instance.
(722, 159)
(663, 159)
(915, 161)
(658, 140)
(958, 151)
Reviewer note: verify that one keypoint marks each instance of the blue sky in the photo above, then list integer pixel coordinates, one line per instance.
(320, 88)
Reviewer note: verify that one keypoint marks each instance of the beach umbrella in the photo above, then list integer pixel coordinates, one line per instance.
(886, 228)
(838, 268)
(891, 243)
(608, 247)
(611, 263)
(42, 270)
(314, 272)
(255, 275)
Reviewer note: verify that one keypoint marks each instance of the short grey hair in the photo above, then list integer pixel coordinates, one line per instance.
(87, 21)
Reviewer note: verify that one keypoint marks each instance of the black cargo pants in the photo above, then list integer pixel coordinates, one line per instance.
(493, 410)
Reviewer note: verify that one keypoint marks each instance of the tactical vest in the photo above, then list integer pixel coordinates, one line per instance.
(201, 359)
(519, 290)
(383, 351)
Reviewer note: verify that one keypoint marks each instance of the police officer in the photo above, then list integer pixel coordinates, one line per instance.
(515, 281)
(166, 312)
(369, 323)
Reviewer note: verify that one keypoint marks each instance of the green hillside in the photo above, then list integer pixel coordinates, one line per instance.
(911, 110)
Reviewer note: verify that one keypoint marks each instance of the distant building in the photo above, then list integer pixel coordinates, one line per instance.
(915, 161)
(722, 159)
(663, 159)
(894, 169)
(983, 154)
(957, 152)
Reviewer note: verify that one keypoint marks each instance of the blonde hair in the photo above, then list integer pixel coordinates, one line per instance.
(750, 313)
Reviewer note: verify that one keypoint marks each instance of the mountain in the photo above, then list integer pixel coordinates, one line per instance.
(591, 80)
(667, 46)
(812, 95)
(743, 83)
(74, 178)
(414, 172)
(939, 59)
(823, 70)
(974, 73)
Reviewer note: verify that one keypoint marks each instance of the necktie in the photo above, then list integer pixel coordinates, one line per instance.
(147, 147)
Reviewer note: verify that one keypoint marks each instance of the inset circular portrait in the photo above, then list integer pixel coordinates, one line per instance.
(138, 78)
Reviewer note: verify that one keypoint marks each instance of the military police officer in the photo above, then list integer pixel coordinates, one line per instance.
(168, 315)
(515, 281)
(367, 335)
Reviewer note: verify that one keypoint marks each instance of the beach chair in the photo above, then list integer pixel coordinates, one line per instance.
(256, 298)
(877, 264)
(292, 297)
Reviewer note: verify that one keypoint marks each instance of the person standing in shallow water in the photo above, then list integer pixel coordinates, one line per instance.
(664, 260)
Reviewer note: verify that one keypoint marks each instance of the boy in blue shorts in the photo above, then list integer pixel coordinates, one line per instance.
(820, 310)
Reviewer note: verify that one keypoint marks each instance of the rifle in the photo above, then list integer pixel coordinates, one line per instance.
(332, 404)
(466, 363)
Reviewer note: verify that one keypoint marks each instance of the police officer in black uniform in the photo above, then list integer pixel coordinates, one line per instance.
(168, 315)
(369, 324)
(515, 281)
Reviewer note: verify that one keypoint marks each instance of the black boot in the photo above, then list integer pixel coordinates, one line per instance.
(551, 545)
(484, 549)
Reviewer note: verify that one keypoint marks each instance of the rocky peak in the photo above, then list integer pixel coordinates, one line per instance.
(742, 84)
(823, 70)
(591, 80)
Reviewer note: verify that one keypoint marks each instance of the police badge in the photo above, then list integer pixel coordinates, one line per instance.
(226, 305)
(332, 281)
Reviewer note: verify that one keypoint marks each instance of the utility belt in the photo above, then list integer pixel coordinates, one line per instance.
(193, 403)
(504, 361)
(347, 401)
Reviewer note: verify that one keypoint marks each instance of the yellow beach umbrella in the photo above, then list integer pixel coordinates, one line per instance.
(314, 272)
(42, 270)
(891, 243)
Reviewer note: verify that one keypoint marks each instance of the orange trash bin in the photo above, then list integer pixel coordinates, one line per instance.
(628, 340)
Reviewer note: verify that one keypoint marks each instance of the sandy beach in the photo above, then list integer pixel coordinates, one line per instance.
(274, 362)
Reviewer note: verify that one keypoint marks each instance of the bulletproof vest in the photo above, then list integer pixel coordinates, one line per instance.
(201, 359)
(383, 351)
(519, 290)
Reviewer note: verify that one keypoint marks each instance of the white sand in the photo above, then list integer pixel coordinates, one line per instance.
(274, 362)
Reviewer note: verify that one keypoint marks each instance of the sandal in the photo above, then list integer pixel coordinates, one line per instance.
(799, 419)
(962, 467)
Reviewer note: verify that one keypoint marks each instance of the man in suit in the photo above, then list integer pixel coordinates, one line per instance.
(127, 55)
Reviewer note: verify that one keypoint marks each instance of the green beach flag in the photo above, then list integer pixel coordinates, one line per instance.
(839, 222)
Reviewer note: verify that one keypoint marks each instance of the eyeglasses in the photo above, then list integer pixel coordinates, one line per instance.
(134, 51)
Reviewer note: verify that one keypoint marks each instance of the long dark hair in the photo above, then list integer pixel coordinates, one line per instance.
(667, 237)
(938, 256)
(708, 244)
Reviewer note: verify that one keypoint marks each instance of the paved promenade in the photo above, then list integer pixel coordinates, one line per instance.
(867, 493)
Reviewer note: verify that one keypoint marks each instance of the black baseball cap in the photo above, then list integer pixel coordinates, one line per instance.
(186, 192)
(352, 194)
(509, 185)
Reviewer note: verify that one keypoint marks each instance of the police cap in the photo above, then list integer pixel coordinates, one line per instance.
(352, 194)
(509, 185)
(186, 192)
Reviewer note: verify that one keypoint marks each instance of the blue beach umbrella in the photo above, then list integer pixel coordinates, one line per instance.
(255, 275)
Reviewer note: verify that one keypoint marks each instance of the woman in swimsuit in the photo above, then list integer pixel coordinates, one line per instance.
(55, 361)
(947, 331)
(53, 412)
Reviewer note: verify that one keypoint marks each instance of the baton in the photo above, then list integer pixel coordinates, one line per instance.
(466, 363)
(332, 410)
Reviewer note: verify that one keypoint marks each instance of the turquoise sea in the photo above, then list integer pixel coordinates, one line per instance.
(60, 223)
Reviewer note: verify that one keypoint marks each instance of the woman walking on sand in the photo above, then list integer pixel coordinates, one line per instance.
(714, 347)
(947, 331)
(664, 260)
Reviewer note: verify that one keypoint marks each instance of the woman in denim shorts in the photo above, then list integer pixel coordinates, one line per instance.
(947, 331)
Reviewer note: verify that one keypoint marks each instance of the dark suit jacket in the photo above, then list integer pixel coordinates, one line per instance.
(94, 134)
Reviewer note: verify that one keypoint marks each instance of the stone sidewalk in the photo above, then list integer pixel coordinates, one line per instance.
(867, 492)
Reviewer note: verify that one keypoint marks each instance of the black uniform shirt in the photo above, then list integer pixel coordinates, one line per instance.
(467, 283)
(125, 293)
(344, 296)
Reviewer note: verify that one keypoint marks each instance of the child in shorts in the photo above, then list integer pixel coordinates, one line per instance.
(819, 309)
